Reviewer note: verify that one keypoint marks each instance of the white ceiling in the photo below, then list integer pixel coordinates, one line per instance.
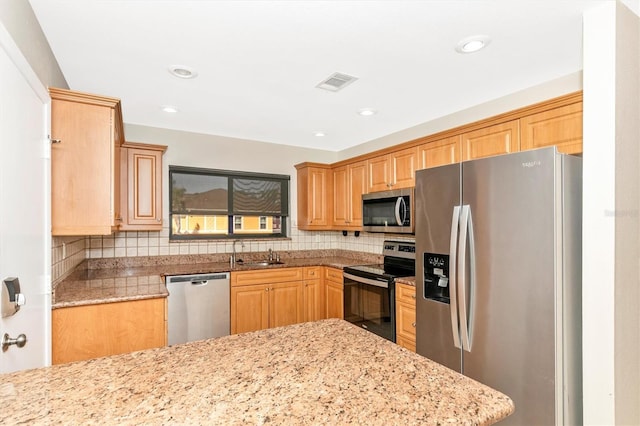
(258, 62)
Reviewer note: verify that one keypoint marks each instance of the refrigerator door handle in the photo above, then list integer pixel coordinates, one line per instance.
(466, 315)
(453, 296)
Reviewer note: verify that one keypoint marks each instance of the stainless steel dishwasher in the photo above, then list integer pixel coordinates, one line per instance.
(199, 307)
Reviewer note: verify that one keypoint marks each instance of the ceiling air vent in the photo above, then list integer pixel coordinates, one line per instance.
(336, 81)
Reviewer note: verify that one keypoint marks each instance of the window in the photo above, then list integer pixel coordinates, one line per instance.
(207, 204)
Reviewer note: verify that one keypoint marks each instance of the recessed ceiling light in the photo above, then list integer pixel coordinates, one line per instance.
(367, 111)
(169, 108)
(319, 134)
(182, 71)
(472, 44)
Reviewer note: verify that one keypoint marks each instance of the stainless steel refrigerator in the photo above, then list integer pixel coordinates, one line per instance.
(498, 277)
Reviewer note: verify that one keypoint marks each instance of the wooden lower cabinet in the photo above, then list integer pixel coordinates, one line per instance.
(262, 299)
(313, 294)
(333, 293)
(406, 316)
(92, 331)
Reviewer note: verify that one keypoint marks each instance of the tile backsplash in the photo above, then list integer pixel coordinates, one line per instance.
(128, 244)
(66, 254)
(69, 252)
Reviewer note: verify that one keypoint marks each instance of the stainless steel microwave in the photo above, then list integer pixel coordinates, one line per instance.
(388, 211)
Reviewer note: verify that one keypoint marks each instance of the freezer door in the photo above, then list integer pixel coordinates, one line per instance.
(510, 304)
(437, 198)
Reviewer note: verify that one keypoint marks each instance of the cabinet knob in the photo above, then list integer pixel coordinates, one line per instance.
(56, 140)
(413, 296)
(413, 324)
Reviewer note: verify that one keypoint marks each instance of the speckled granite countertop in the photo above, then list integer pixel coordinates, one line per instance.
(322, 373)
(117, 280)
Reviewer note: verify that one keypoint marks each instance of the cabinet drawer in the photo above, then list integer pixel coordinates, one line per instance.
(333, 274)
(311, 272)
(263, 276)
(406, 293)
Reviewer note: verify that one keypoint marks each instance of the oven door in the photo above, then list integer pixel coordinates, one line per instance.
(369, 303)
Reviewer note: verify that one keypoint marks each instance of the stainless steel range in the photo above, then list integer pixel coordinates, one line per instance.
(369, 290)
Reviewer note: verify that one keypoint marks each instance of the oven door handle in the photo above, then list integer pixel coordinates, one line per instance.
(363, 280)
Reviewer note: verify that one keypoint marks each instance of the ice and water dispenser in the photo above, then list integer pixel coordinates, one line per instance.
(436, 277)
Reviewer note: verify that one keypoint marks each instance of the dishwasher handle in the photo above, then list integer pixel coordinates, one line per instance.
(197, 279)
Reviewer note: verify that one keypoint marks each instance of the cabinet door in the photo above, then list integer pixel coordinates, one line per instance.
(561, 127)
(349, 183)
(91, 331)
(249, 308)
(313, 306)
(286, 303)
(142, 189)
(314, 205)
(84, 193)
(379, 173)
(403, 167)
(489, 141)
(340, 196)
(357, 187)
(440, 153)
(334, 303)
(406, 316)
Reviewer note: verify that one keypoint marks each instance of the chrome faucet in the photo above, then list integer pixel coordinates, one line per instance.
(233, 258)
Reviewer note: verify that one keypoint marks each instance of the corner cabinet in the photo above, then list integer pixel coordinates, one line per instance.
(141, 186)
(91, 331)
(314, 196)
(86, 134)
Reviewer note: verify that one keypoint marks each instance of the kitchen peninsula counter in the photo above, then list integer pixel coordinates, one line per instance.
(315, 373)
(126, 279)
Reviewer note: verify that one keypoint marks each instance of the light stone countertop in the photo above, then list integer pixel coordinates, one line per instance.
(319, 373)
(145, 280)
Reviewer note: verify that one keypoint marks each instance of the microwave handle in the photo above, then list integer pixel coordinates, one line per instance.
(400, 204)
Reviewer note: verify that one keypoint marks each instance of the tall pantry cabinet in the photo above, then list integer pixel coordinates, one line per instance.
(86, 133)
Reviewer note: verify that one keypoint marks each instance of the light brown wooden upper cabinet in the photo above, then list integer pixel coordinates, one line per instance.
(489, 141)
(314, 196)
(440, 153)
(141, 186)
(349, 183)
(561, 127)
(392, 171)
(86, 131)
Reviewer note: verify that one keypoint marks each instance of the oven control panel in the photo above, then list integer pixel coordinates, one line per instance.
(404, 249)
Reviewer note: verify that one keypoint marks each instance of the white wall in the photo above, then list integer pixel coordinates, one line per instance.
(20, 21)
(611, 298)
